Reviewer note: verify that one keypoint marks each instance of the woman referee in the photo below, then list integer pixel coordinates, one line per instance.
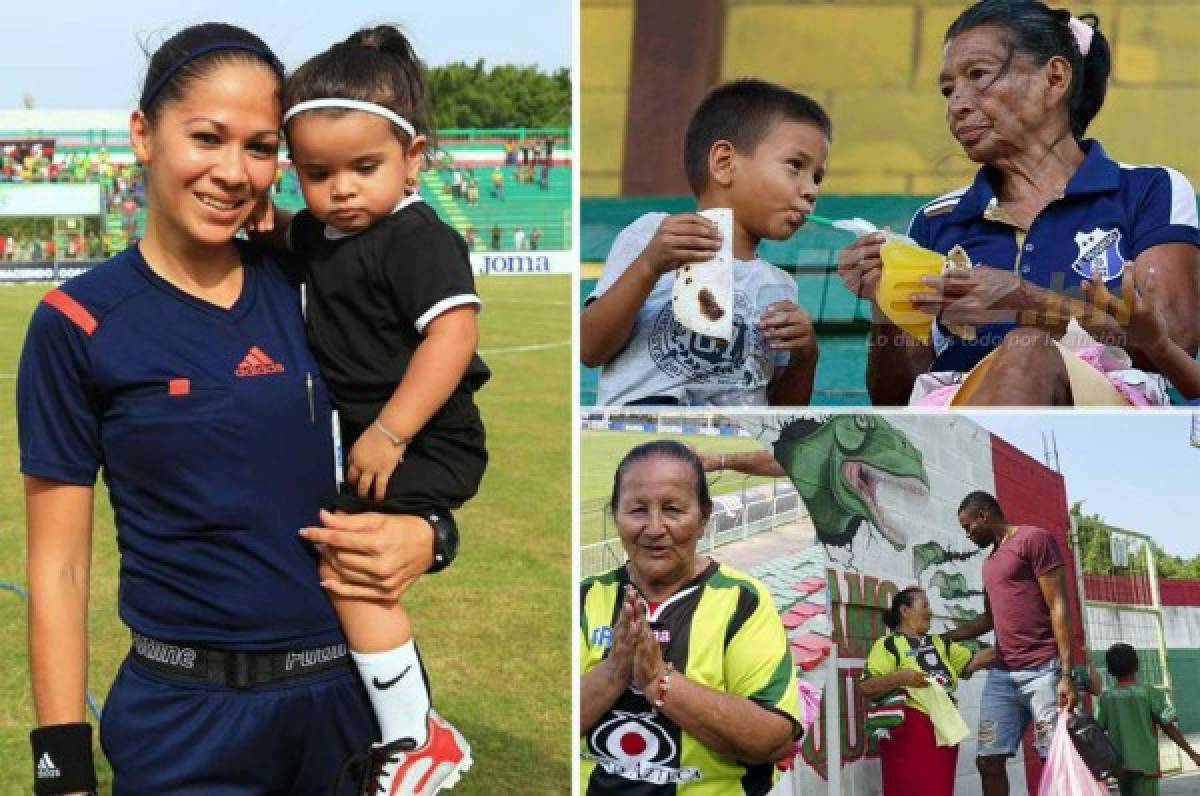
(180, 367)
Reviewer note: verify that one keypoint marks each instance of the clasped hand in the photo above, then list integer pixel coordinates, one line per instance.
(636, 656)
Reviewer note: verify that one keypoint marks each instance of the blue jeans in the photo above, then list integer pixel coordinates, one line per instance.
(1010, 700)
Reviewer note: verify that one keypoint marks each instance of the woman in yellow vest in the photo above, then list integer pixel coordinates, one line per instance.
(896, 678)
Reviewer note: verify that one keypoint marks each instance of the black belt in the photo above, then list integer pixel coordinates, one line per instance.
(235, 669)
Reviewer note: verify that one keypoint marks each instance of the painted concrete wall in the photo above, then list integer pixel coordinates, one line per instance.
(921, 468)
(873, 65)
(605, 55)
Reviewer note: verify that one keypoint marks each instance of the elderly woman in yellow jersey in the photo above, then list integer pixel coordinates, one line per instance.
(687, 679)
(910, 658)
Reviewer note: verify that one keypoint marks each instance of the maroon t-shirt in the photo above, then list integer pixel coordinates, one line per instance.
(1024, 636)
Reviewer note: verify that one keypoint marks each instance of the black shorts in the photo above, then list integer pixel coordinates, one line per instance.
(442, 468)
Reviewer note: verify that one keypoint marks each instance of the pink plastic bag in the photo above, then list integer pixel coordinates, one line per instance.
(810, 703)
(1065, 773)
(810, 708)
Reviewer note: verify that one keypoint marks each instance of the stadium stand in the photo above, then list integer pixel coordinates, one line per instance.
(535, 197)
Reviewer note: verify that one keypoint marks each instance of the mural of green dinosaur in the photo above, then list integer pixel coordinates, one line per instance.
(837, 466)
(931, 554)
(960, 614)
(952, 586)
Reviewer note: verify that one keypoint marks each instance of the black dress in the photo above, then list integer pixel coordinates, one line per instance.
(369, 297)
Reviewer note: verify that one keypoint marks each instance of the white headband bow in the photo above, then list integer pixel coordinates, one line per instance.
(1083, 33)
(353, 105)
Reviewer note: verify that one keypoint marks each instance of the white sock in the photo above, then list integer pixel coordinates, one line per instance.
(399, 694)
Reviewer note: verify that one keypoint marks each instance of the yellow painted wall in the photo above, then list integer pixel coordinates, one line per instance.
(606, 54)
(873, 64)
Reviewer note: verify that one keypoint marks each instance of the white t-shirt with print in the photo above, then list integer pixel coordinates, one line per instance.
(662, 359)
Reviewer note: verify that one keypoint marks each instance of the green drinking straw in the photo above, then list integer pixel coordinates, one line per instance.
(855, 226)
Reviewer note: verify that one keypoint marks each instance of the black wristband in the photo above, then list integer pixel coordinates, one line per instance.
(445, 539)
(62, 759)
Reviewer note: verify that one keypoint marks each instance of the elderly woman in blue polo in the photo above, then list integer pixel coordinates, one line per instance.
(1047, 211)
(687, 684)
(899, 671)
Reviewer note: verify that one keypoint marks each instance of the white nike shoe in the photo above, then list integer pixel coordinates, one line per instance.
(399, 768)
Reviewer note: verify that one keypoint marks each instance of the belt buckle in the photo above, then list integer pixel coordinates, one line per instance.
(239, 670)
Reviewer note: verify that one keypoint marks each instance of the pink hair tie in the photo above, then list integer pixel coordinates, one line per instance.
(1083, 33)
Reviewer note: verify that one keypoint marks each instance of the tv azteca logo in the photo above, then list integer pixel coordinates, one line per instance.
(633, 746)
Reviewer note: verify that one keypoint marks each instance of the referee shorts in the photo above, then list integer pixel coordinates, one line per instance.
(205, 739)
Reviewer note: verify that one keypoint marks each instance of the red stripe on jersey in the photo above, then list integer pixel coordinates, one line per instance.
(179, 386)
(71, 308)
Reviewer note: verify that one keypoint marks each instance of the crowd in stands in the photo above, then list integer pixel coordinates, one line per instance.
(522, 241)
(39, 244)
(534, 162)
(531, 154)
(528, 162)
(123, 193)
(464, 184)
(37, 162)
(122, 188)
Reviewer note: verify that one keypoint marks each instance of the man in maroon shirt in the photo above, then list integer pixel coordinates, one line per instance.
(1025, 602)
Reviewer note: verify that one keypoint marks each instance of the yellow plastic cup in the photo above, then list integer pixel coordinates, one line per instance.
(903, 266)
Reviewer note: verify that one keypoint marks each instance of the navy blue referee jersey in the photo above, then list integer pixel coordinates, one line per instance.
(1108, 214)
(214, 451)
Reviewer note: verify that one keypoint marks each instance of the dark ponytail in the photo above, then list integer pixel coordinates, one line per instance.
(376, 65)
(1041, 33)
(903, 599)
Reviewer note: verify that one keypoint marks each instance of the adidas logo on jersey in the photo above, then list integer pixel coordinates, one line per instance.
(257, 363)
(46, 768)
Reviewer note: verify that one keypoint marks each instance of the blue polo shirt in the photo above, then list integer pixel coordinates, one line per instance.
(199, 417)
(1109, 214)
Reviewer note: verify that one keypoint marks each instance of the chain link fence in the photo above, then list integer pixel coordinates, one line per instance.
(1120, 594)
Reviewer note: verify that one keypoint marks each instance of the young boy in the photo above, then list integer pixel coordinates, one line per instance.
(1129, 713)
(759, 149)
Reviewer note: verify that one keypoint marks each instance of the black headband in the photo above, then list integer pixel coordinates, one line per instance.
(152, 91)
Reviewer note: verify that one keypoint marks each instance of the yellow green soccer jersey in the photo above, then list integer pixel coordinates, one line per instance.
(941, 660)
(720, 630)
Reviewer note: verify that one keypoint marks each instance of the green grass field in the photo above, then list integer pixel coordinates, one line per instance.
(494, 628)
(601, 451)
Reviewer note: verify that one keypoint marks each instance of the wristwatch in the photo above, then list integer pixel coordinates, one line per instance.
(445, 539)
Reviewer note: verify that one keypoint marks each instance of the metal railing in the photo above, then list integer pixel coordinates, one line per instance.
(736, 516)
